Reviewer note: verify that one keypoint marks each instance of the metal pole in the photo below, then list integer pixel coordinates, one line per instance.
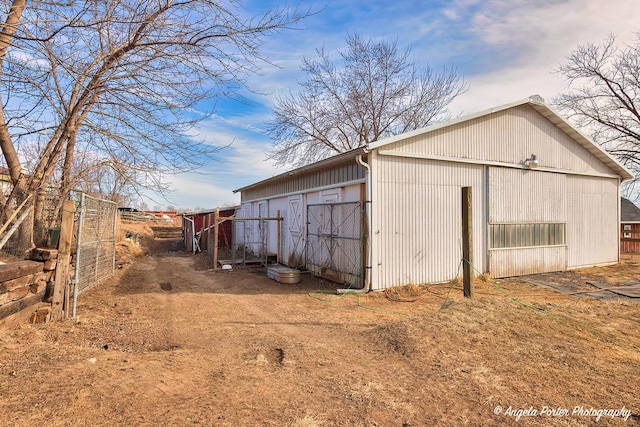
(98, 243)
(76, 275)
(113, 236)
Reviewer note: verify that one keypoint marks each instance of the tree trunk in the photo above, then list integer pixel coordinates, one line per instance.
(8, 149)
(6, 36)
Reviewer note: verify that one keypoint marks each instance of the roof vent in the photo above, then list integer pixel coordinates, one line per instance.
(537, 99)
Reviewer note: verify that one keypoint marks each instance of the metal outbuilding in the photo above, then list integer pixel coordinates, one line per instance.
(545, 198)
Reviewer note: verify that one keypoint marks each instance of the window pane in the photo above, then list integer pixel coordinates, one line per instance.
(526, 235)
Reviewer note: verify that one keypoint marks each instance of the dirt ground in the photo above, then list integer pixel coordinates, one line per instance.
(169, 342)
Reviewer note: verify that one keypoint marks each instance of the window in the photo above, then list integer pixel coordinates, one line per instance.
(525, 235)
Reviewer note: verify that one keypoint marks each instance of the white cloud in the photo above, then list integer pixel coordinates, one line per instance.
(243, 160)
(506, 50)
(539, 36)
(450, 13)
(194, 190)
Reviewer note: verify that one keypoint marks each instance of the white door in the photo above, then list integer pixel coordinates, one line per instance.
(295, 232)
(527, 222)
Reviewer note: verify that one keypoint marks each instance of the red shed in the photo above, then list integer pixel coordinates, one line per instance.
(196, 227)
(629, 226)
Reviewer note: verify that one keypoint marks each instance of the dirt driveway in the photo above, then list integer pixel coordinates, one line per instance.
(171, 343)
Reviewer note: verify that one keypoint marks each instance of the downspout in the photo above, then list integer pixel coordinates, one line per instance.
(367, 264)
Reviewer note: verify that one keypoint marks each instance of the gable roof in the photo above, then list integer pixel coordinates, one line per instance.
(629, 212)
(537, 103)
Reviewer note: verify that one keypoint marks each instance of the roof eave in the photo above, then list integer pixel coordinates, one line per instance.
(590, 145)
(330, 161)
(538, 104)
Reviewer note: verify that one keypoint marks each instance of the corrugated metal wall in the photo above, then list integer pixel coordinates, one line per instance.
(515, 262)
(419, 219)
(275, 207)
(416, 198)
(509, 136)
(593, 221)
(522, 195)
(293, 231)
(518, 196)
(332, 176)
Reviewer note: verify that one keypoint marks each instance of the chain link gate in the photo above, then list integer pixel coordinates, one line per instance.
(95, 256)
(335, 242)
(251, 237)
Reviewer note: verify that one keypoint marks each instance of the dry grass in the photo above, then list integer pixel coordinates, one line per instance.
(309, 420)
(241, 349)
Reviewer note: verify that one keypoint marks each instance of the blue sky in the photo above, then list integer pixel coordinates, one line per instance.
(506, 50)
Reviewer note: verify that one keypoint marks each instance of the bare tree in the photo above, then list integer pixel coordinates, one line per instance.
(603, 96)
(121, 78)
(376, 92)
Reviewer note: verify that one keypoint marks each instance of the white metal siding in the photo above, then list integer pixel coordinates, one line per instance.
(293, 228)
(519, 196)
(353, 193)
(302, 182)
(509, 136)
(519, 261)
(275, 205)
(418, 211)
(593, 221)
(523, 196)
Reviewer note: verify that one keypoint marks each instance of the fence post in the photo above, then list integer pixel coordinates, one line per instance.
(216, 222)
(279, 232)
(64, 255)
(76, 278)
(467, 241)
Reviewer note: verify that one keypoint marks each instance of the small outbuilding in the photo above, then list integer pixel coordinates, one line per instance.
(544, 198)
(198, 226)
(629, 226)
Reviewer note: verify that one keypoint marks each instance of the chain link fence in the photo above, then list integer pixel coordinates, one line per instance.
(51, 204)
(16, 235)
(335, 242)
(255, 239)
(96, 241)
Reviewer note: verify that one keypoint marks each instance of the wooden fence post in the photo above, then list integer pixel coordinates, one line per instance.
(64, 256)
(279, 228)
(467, 242)
(216, 221)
